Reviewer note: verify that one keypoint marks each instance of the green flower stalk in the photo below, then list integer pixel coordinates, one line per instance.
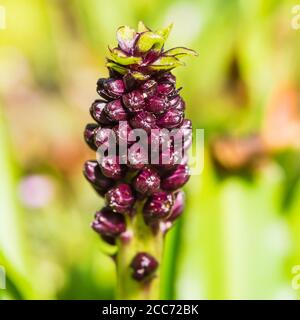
(140, 179)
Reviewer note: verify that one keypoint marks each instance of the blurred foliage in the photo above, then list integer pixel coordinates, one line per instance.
(239, 237)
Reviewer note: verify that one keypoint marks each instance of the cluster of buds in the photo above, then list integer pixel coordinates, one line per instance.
(142, 137)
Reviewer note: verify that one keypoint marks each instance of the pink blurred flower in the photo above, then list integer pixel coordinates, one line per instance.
(36, 191)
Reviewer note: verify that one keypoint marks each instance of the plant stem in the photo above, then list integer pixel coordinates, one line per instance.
(139, 238)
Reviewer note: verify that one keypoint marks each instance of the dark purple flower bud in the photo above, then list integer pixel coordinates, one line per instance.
(176, 179)
(122, 131)
(93, 174)
(186, 124)
(144, 120)
(149, 88)
(187, 133)
(183, 136)
(89, 134)
(144, 265)
(171, 119)
(108, 223)
(110, 88)
(158, 138)
(90, 170)
(178, 206)
(187, 142)
(157, 207)
(165, 88)
(111, 168)
(120, 198)
(115, 111)
(134, 101)
(185, 159)
(167, 77)
(97, 112)
(129, 81)
(147, 181)
(137, 158)
(157, 104)
(169, 159)
(177, 103)
(103, 136)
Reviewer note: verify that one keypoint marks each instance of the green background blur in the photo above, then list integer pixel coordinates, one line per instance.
(239, 237)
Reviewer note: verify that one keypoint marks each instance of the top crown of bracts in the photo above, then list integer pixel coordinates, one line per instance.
(140, 93)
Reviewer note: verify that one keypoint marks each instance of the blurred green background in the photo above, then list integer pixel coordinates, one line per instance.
(239, 237)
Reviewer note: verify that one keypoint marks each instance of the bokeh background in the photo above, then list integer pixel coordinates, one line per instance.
(239, 237)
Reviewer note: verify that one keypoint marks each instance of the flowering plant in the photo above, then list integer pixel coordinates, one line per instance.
(141, 136)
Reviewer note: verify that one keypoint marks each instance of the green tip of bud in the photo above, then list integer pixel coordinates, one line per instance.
(179, 52)
(141, 52)
(149, 40)
(142, 27)
(165, 32)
